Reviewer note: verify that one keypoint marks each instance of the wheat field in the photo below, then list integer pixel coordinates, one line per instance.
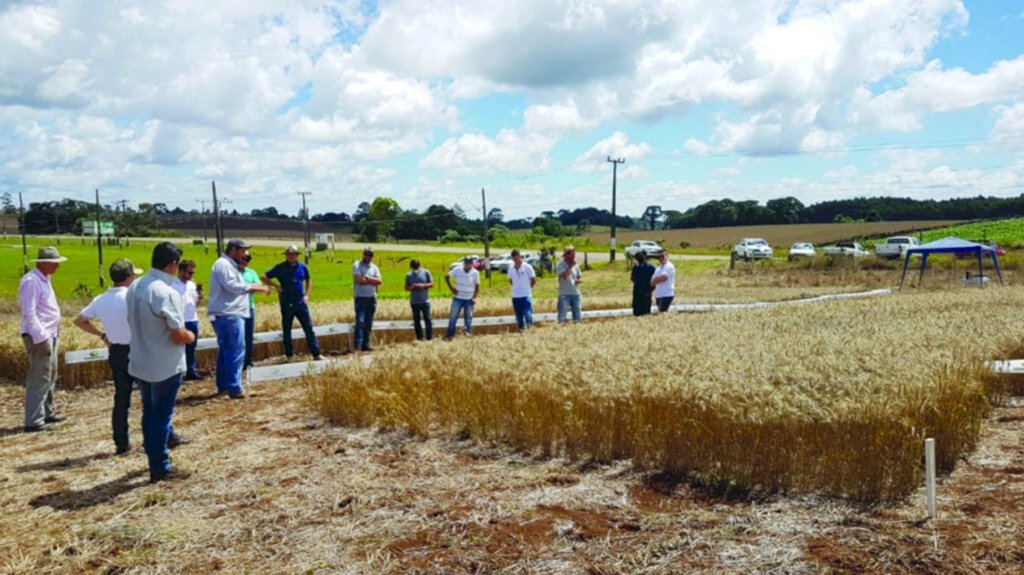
(833, 398)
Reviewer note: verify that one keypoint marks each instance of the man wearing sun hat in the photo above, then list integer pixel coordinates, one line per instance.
(40, 326)
(293, 290)
(111, 308)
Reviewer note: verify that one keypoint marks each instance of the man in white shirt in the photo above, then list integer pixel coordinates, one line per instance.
(664, 283)
(191, 296)
(522, 278)
(111, 308)
(464, 292)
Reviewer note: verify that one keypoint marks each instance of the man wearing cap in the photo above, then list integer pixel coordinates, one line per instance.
(464, 292)
(191, 297)
(111, 308)
(228, 307)
(249, 276)
(366, 279)
(569, 279)
(40, 326)
(293, 289)
(418, 283)
(156, 358)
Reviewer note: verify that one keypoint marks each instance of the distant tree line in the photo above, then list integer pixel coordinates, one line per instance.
(789, 210)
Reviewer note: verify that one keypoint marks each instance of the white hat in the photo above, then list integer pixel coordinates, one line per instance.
(49, 255)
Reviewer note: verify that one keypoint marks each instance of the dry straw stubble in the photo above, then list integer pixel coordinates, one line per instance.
(833, 398)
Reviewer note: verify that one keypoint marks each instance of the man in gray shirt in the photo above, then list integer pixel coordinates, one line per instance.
(156, 320)
(365, 279)
(418, 283)
(228, 308)
(569, 279)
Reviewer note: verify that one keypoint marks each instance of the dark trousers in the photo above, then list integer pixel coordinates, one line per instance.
(190, 349)
(641, 303)
(291, 311)
(421, 315)
(250, 326)
(157, 410)
(366, 307)
(117, 358)
(664, 303)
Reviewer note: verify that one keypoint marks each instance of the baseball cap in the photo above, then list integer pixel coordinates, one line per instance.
(292, 249)
(122, 269)
(237, 243)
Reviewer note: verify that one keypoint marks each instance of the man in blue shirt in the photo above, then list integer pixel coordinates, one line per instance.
(228, 308)
(293, 290)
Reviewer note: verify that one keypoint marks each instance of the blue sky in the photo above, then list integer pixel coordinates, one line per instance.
(429, 102)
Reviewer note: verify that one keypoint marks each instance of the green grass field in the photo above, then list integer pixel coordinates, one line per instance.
(332, 277)
(1006, 233)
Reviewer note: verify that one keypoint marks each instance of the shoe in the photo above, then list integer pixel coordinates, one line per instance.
(366, 349)
(38, 428)
(176, 440)
(56, 418)
(317, 357)
(122, 449)
(239, 395)
(172, 474)
(192, 376)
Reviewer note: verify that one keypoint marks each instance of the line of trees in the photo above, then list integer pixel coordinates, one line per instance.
(789, 210)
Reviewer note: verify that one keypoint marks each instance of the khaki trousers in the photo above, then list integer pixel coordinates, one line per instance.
(41, 379)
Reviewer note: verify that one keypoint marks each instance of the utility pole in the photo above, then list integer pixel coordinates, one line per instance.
(99, 236)
(21, 224)
(216, 221)
(615, 174)
(305, 223)
(202, 203)
(487, 243)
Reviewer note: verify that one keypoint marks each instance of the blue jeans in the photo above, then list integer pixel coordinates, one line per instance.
(366, 307)
(569, 301)
(250, 326)
(291, 311)
(420, 316)
(466, 307)
(157, 409)
(523, 306)
(230, 352)
(190, 349)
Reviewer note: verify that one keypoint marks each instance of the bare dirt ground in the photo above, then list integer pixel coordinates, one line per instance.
(275, 490)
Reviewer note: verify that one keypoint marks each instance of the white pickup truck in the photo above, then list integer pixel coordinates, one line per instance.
(895, 247)
(648, 247)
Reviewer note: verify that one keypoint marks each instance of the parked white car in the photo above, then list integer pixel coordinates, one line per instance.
(845, 249)
(753, 249)
(801, 250)
(503, 262)
(895, 247)
(648, 247)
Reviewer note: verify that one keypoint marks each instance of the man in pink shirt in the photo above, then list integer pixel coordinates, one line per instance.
(40, 326)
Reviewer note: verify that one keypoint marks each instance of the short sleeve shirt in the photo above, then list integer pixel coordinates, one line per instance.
(465, 282)
(520, 278)
(420, 276)
(154, 310)
(189, 296)
(568, 286)
(666, 288)
(111, 308)
(249, 276)
(369, 270)
(292, 279)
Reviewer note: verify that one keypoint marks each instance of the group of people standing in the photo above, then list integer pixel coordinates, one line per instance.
(150, 324)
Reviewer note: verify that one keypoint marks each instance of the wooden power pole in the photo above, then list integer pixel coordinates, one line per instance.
(615, 174)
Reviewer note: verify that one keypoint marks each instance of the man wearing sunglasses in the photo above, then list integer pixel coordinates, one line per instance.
(192, 296)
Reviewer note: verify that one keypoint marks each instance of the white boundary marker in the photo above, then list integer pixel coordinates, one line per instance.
(100, 354)
(929, 474)
(1008, 366)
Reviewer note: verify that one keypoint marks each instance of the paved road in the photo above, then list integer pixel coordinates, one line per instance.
(600, 255)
